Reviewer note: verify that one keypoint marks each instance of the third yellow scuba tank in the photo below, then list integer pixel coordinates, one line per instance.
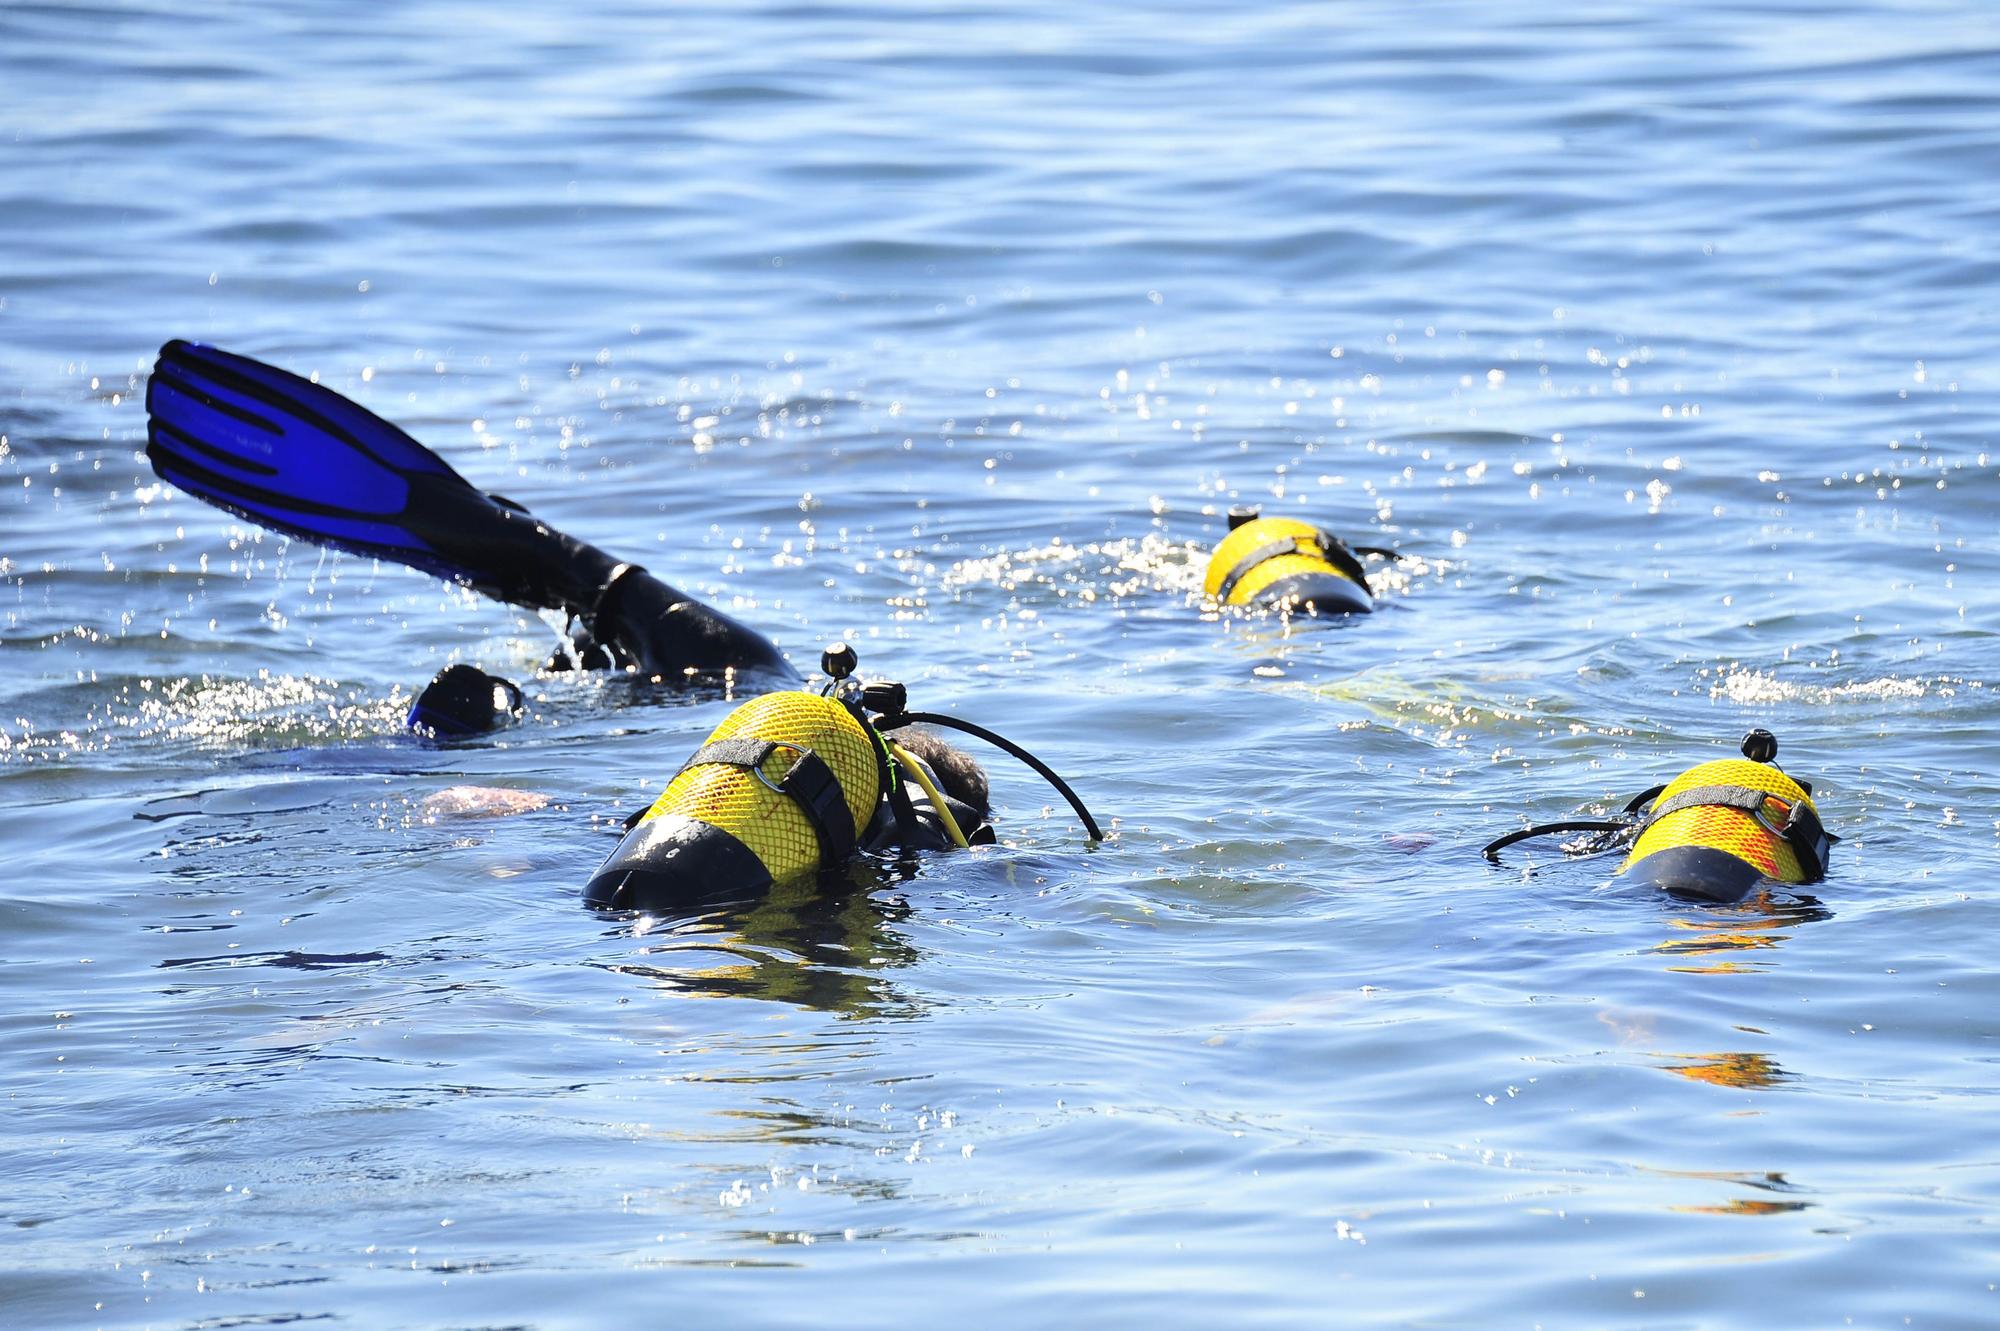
(1718, 830)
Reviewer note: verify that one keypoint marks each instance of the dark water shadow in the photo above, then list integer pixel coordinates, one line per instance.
(298, 961)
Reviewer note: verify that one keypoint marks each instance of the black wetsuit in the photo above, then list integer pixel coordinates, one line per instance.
(640, 619)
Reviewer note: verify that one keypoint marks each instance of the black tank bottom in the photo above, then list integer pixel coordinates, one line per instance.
(1326, 593)
(672, 865)
(1698, 871)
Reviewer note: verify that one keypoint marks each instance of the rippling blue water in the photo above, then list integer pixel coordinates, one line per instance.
(1666, 334)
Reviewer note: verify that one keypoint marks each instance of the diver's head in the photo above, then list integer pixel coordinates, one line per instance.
(1284, 561)
(1721, 828)
(957, 774)
(783, 787)
(464, 700)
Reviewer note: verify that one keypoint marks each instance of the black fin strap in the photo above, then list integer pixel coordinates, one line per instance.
(1802, 829)
(811, 785)
(588, 614)
(1492, 849)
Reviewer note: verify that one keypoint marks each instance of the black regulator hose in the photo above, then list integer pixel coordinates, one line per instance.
(1493, 849)
(901, 719)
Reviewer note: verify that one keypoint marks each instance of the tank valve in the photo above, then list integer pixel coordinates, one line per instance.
(838, 661)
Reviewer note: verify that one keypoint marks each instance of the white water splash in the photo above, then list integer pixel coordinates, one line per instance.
(1761, 688)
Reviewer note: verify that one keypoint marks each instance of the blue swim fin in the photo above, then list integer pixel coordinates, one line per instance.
(300, 459)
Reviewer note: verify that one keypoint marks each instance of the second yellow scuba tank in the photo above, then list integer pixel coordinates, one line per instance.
(784, 785)
(1287, 562)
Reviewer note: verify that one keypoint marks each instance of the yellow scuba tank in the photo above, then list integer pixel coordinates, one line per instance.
(1720, 828)
(785, 785)
(1285, 561)
(789, 784)
(1717, 830)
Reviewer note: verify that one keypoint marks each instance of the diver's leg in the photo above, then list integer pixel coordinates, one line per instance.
(298, 458)
(670, 634)
(622, 607)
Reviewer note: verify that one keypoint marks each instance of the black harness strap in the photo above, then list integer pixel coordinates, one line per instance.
(1713, 797)
(1284, 545)
(811, 785)
(888, 775)
(1336, 553)
(1330, 549)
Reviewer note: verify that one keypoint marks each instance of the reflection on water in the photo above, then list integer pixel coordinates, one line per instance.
(1746, 1206)
(1764, 1183)
(1741, 1071)
(1726, 938)
(822, 945)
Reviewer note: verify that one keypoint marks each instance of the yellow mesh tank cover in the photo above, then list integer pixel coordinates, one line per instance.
(769, 822)
(1254, 535)
(1732, 831)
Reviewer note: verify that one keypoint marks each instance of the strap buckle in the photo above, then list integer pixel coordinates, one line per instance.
(771, 747)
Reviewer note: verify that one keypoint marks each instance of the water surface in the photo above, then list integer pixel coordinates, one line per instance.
(1664, 336)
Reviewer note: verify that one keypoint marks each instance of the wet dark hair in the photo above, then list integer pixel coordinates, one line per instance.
(957, 774)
